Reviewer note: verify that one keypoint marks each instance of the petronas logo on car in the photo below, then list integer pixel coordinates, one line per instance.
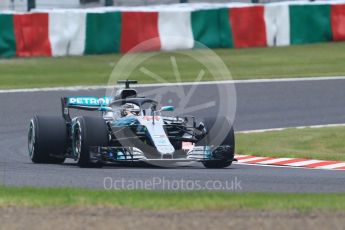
(88, 101)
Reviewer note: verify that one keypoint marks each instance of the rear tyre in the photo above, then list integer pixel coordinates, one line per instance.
(89, 132)
(219, 133)
(47, 139)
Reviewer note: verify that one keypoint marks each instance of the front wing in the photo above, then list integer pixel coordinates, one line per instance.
(198, 153)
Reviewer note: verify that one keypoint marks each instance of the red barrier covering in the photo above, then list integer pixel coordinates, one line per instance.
(248, 26)
(32, 35)
(338, 22)
(138, 27)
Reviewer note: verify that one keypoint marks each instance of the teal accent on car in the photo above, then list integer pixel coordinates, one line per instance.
(168, 108)
(105, 109)
(126, 121)
(88, 101)
(208, 152)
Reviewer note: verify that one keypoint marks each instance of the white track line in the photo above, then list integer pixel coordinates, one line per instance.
(76, 88)
(297, 127)
(289, 79)
(52, 89)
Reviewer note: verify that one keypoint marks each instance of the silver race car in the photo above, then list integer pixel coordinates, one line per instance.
(131, 129)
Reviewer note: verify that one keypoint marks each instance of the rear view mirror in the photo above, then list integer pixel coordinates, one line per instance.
(167, 108)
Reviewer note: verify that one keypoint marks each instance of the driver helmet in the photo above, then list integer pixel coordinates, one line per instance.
(130, 109)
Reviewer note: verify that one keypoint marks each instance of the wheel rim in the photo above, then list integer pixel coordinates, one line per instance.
(31, 139)
(77, 141)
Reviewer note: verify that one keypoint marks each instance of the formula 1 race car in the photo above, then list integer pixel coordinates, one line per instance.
(131, 129)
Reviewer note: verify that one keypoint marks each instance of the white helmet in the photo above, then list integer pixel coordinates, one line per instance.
(130, 109)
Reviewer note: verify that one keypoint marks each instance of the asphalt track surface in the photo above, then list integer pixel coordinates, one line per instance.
(259, 106)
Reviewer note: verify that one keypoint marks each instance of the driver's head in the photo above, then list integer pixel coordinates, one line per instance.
(130, 109)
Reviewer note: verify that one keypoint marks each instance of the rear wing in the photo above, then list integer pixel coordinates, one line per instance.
(83, 103)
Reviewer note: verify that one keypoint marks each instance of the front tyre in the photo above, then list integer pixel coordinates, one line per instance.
(218, 164)
(47, 139)
(220, 137)
(89, 132)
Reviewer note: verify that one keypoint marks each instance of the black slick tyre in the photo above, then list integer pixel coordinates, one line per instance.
(47, 139)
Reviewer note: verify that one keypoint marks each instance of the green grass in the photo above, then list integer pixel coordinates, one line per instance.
(252, 63)
(52, 197)
(314, 143)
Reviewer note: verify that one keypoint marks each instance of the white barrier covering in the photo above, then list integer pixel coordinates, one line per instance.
(67, 32)
(175, 30)
(277, 22)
